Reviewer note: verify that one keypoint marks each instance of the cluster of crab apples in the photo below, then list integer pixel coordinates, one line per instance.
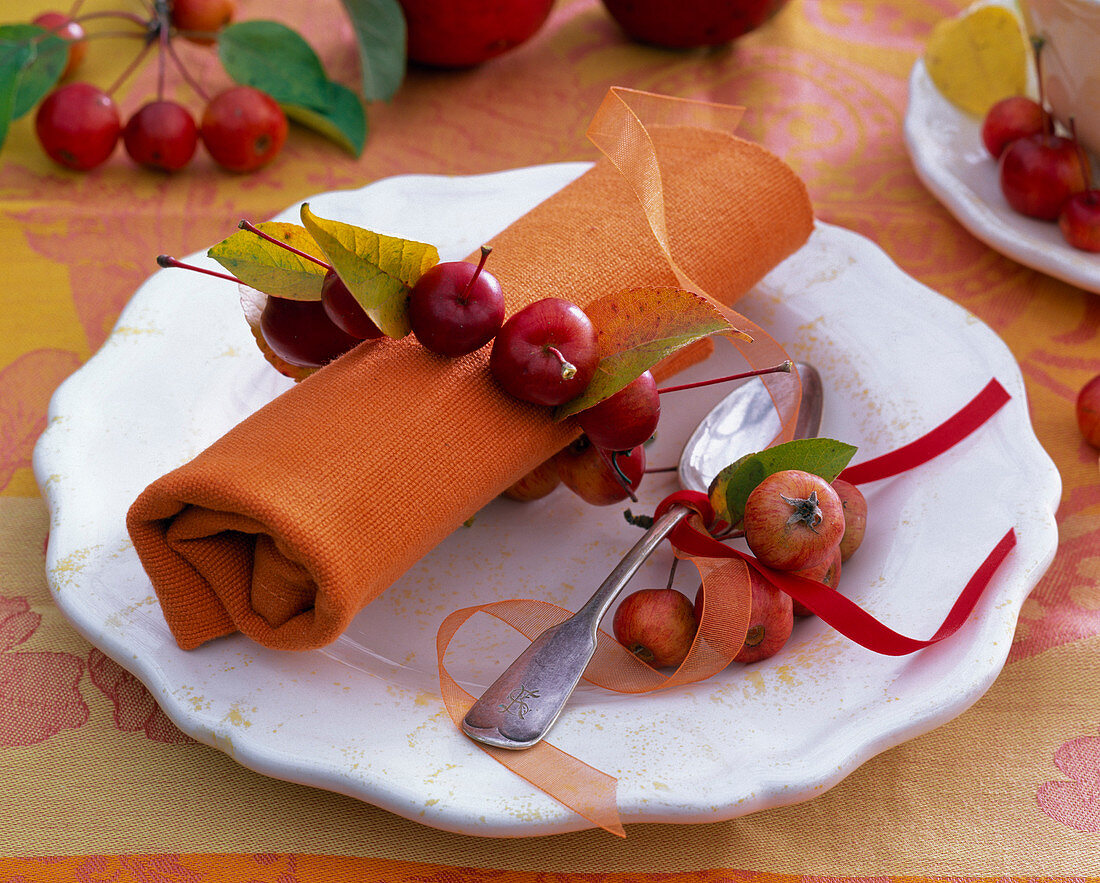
(79, 125)
(1042, 174)
(795, 522)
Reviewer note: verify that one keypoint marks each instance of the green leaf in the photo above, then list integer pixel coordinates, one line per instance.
(378, 270)
(380, 29)
(41, 58)
(731, 487)
(270, 268)
(342, 121)
(271, 57)
(31, 62)
(11, 64)
(636, 329)
(275, 59)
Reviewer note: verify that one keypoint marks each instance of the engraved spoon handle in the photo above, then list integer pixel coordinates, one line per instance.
(521, 705)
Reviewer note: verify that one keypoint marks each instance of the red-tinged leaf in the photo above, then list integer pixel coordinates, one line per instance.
(639, 327)
(252, 302)
(378, 270)
(270, 268)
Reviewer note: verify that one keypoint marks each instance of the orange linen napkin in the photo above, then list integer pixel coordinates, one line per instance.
(286, 527)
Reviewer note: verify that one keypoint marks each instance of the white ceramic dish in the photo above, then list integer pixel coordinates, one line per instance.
(363, 716)
(946, 149)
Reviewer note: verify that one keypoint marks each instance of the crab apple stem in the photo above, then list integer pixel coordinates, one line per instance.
(568, 369)
(672, 572)
(169, 262)
(612, 460)
(485, 249)
(162, 61)
(186, 74)
(784, 368)
(252, 228)
(130, 68)
(126, 16)
(1037, 43)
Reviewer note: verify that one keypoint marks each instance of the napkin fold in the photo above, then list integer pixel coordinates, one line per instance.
(290, 524)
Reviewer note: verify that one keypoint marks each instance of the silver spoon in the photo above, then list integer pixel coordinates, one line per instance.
(520, 706)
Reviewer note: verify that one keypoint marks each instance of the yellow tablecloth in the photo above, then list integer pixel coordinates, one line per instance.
(97, 784)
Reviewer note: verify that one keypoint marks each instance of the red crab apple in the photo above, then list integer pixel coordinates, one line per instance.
(200, 20)
(456, 307)
(344, 310)
(464, 33)
(1088, 411)
(243, 129)
(78, 126)
(587, 471)
(1039, 173)
(536, 484)
(545, 353)
(1079, 220)
(161, 135)
(626, 419)
(1010, 118)
(771, 619)
(793, 519)
(826, 571)
(66, 29)
(855, 516)
(656, 625)
(690, 23)
(301, 333)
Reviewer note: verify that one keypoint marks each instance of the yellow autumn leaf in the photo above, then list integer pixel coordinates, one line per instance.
(378, 270)
(635, 330)
(270, 268)
(979, 58)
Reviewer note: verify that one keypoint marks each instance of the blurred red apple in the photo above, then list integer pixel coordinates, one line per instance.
(688, 24)
(464, 33)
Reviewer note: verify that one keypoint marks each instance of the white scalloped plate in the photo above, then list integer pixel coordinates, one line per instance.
(363, 716)
(945, 147)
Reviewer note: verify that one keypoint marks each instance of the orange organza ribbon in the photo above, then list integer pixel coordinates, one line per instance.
(632, 129)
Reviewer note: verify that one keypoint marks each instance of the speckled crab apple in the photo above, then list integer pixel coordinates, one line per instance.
(771, 619)
(793, 519)
(600, 477)
(656, 625)
(854, 505)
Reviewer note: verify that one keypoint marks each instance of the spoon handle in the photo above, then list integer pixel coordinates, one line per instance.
(521, 705)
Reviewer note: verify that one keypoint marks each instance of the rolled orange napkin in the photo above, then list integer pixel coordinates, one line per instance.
(286, 527)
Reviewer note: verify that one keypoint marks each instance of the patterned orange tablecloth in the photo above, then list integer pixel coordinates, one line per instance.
(98, 785)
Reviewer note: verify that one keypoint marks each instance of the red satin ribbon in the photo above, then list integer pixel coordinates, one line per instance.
(842, 614)
(949, 433)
